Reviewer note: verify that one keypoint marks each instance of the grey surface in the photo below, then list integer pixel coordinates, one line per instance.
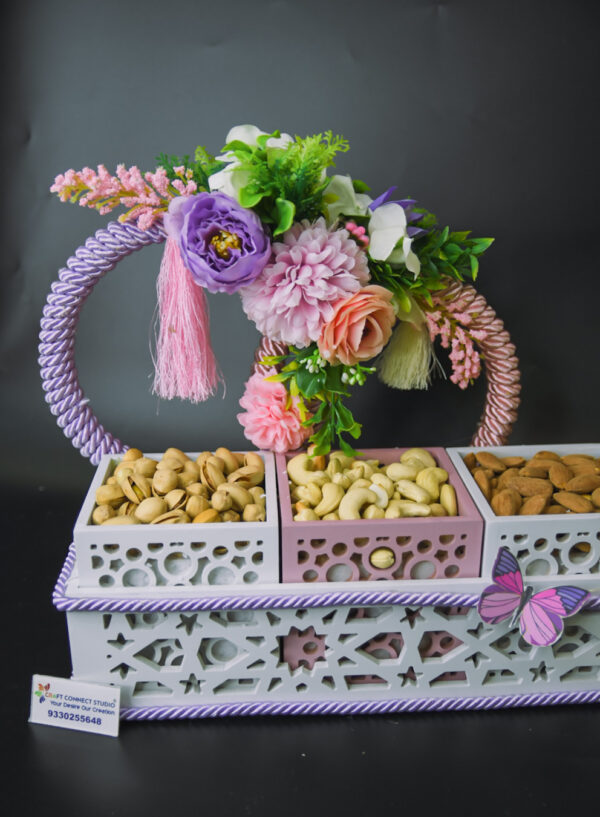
(485, 112)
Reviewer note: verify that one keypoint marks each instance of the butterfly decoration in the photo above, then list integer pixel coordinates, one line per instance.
(41, 691)
(540, 615)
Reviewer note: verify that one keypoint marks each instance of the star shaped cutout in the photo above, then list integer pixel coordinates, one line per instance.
(412, 616)
(191, 684)
(410, 677)
(540, 673)
(188, 622)
(120, 641)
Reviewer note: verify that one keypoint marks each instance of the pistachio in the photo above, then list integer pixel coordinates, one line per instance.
(109, 495)
(121, 520)
(177, 453)
(177, 517)
(101, 513)
(170, 464)
(253, 513)
(150, 508)
(145, 466)
(230, 516)
(197, 489)
(163, 482)
(135, 487)
(209, 515)
(221, 501)
(230, 463)
(132, 454)
(175, 499)
(195, 505)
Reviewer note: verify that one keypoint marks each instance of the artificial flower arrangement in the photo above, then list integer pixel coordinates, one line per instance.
(338, 282)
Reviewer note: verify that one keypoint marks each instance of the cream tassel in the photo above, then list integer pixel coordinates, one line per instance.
(407, 360)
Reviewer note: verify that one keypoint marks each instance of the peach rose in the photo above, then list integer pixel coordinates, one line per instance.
(360, 327)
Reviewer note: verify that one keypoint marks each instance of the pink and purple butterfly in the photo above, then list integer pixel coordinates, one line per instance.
(540, 614)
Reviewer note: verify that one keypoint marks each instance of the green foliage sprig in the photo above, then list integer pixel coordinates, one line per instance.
(286, 184)
(312, 381)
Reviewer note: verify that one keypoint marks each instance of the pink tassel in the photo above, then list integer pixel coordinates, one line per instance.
(185, 364)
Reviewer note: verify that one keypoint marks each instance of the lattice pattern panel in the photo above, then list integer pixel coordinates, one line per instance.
(177, 555)
(319, 654)
(564, 544)
(417, 548)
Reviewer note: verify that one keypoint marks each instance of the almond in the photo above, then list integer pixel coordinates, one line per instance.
(583, 484)
(574, 502)
(577, 459)
(534, 471)
(555, 509)
(470, 460)
(506, 502)
(530, 486)
(505, 477)
(514, 462)
(483, 481)
(547, 455)
(584, 468)
(559, 474)
(491, 461)
(596, 497)
(534, 505)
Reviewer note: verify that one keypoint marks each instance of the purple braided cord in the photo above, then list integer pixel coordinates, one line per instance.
(154, 713)
(100, 254)
(257, 602)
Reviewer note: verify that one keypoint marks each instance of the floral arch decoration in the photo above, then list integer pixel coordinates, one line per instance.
(342, 285)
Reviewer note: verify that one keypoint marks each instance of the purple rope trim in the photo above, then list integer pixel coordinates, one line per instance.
(100, 254)
(159, 713)
(257, 602)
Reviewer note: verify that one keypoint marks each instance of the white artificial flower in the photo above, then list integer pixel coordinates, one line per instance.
(230, 180)
(340, 197)
(387, 228)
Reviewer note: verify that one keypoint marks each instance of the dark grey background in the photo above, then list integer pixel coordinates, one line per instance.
(484, 111)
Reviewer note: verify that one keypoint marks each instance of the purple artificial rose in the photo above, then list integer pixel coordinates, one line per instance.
(222, 244)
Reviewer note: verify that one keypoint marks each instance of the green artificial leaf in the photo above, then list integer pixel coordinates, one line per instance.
(285, 215)
(474, 266)
(347, 448)
(403, 300)
(333, 380)
(346, 420)
(238, 147)
(360, 186)
(250, 196)
(309, 383)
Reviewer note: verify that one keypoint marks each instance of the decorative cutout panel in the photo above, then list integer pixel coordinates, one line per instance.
(338, 653)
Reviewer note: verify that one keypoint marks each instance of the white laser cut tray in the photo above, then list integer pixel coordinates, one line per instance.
(543, 544)
(369, 647)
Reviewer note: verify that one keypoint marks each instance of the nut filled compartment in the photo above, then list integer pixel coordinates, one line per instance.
(194, 523)
(540, 502)
(352, 548)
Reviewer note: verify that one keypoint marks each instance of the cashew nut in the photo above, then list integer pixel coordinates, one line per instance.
(401, 470)
(333, 516)
(300, 471)
(306, 515)
(412, 491)
(332, 495)
(430, 479)
(310, 493)
(353, 501)
(343, 459)
(448, 499)
(381, 494)
(373, 512)
(419, 454)
(385, 482)
(409, 508)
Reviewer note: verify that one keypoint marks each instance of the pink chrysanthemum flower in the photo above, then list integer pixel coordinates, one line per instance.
(270, 421)
(312, 269)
